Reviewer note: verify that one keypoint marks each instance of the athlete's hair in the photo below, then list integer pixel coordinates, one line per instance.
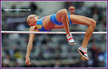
(31, 16)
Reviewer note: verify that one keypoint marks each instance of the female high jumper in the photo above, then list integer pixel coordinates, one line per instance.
(61, 20)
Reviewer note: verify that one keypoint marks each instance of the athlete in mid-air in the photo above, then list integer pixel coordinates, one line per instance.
(61, 20)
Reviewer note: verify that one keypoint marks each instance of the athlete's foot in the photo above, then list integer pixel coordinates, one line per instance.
(70, 39)
(83, 52)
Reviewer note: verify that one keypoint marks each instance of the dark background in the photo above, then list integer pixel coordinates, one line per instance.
(51, 50)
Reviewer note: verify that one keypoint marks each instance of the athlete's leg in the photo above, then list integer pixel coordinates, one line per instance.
(61, 16)
(77, 19)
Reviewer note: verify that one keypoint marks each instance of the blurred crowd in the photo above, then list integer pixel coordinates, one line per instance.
(15, 20)
(52, 50)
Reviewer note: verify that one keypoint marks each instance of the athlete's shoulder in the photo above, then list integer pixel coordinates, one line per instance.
(32, 28)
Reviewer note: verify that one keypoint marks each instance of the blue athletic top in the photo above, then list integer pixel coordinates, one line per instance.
(39, 24)
(52, 19)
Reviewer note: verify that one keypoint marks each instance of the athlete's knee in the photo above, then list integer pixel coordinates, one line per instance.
(93, 23)
(63, 12)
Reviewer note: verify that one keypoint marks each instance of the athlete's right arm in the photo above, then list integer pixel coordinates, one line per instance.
(72, 10)
(30, 45)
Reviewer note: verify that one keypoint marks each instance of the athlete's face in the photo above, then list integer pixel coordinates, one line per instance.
(31, 20)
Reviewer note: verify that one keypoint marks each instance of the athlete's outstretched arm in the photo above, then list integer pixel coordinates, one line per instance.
(30, 45)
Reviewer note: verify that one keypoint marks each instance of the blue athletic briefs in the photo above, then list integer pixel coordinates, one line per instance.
(54, 20)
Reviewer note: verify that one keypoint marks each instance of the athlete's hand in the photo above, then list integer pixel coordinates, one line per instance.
(28, 61)
(72, 9)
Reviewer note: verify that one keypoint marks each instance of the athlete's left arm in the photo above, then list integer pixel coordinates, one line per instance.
(58, 27)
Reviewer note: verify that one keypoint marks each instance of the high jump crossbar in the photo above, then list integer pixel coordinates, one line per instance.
(34, 32)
